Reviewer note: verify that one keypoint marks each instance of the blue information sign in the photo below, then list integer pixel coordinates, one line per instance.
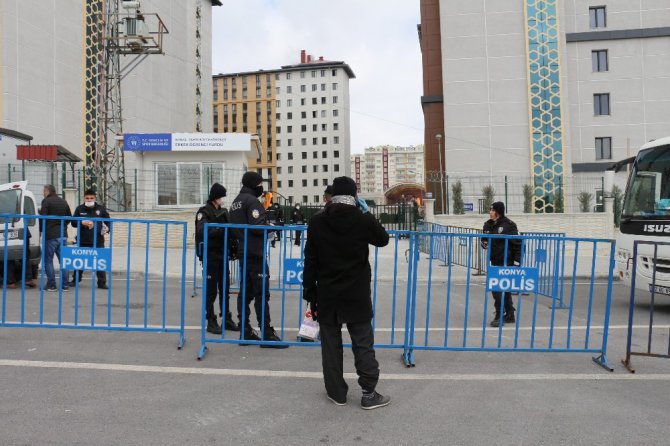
(293, 271)
(138, 142)
(87, 259)
(468, 207)
(512, 279)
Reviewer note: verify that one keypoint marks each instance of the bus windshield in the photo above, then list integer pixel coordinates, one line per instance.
(648, 192)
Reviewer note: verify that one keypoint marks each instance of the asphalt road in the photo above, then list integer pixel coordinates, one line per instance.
(66, 387)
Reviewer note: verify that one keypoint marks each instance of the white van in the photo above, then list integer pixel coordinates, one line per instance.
(15, 198)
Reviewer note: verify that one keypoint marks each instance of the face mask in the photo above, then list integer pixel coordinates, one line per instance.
(297, 207)
(258, 190)
(89, 204)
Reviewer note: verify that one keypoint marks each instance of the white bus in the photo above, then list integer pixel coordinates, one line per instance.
(646, 216)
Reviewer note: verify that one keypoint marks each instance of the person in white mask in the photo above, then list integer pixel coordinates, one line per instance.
(90, 233)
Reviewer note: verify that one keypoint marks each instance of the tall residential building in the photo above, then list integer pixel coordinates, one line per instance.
(544, 89)
(382, 169)
(301, 114)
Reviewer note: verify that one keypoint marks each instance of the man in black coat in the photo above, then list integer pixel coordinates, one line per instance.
(217, 262)
(55, 234)
(247, 209)
(499, 224)
(297, 218)
(91, 233)
(276, 218)
(336, 283)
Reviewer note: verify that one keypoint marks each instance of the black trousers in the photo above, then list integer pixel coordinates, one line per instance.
(297, 237)
(77, 275)
(509, 303)
(215, 275)
(253, 286)
(367, 367)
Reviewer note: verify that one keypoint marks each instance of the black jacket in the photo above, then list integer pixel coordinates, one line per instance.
(215, 236)
(275, 214)
(246, 209)
(503, 226)
(337, 271)
(297, 217)
(86, 235)
(55, 206)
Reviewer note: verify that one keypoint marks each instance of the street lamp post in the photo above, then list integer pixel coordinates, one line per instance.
(439, 154)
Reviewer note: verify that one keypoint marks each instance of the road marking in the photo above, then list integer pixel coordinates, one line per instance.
(319, 375)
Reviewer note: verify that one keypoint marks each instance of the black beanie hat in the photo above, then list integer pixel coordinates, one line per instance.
(329, 190)
(251, 179)
(217, 191)
(499, 207)
(344, 186)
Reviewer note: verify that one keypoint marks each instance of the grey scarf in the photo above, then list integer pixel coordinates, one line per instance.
(344, 199)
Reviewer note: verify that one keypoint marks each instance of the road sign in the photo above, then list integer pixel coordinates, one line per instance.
(512, 279)
(86, 259)
(293, 271)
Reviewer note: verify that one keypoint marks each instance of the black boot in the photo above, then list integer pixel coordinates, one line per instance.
(230, 324)
(213, 326)
(496, 320)
(271, 335)
(249, 335)
(509, 317)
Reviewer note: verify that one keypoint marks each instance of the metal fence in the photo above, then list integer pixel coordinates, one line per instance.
(638, 299)
(428, 305)
(509, 189)
(133, 303)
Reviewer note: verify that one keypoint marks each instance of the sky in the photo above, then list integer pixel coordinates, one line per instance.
(377, 38)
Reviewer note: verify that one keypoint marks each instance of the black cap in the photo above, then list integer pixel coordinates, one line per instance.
(499, 207)
(329, 190)
(344, 186)
(217, 191)
(251, 179)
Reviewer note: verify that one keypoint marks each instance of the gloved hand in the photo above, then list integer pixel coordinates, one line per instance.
(312, 308)
(362, 205)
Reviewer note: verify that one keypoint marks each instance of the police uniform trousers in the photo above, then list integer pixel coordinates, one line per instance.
(216, 268)
(77, 275)
(253, 284)
(497, 297)
(367, 367)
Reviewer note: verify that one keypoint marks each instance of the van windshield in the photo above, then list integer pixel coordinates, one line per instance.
(648, 194)
(10, 203)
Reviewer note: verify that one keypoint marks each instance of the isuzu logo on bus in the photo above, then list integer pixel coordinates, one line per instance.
(656, 228)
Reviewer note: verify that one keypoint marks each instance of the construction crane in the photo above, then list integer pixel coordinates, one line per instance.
(119, 36)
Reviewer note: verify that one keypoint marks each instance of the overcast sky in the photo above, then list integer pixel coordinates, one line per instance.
(377, 38)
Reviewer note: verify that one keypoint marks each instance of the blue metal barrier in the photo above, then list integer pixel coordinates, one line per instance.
(422, 305)
(132, 306)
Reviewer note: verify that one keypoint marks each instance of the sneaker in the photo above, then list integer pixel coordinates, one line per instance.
(103, 286)
(213, 326)
(374, 400)
(509, 318)
(31, 284)
(336, 402)
(271, 335)
(51, 288)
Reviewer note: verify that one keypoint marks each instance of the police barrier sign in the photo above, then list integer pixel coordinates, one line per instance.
(87, 259)
(512, 279)
(293, 271)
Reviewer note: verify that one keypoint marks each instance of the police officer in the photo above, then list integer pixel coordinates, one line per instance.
(499, 224)
(297, 218)
(276, 218)
(247, 209)
(87, 232)
(217, 265)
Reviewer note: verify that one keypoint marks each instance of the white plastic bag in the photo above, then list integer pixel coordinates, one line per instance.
(309, 328)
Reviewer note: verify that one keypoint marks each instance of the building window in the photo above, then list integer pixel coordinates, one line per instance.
(290, 156)
(335, 113)
(334, 85)
(336, 126)
(304, 183)
(302, 101)
(324, 154)
(597, 17)
(323, 73)
(325, 182)
(336, 167)
(289, 129)
(315, 154)
(313, 73)
(186, 184)
(278, 130)
(324, 127)
(601, 104)
(304, 198)
(304, 155)
(290, 169)
(316, 197)
(315, 168)
(313, 101)
(302, 75)
(290, 183)
(288, 75)
(303, 141)
(323, 87)
(278, 104)
(290, 199)
(279, 170)
(304, 169)
(289, 142)
(604, 148)
(325, 167)
(289, 115)
(303, 128)
(278, 116)
(323, 113)
(314, 87)
(334, 99)
(323, 99)
(278, 143)
(336, 139)
(314, 127)
(289, 89)
(336, 153)
(278, 90)
(303, 115)
(324, 140)
(334, 72)
(315, 182)
(303, 88)
(315, 141)
(289, 102)
(599, 60)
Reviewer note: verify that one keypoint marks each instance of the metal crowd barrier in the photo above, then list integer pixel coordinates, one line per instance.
(422, 305)
(649, 250)
(130, 303)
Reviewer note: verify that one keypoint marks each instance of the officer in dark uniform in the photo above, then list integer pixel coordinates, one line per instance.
(297, 218)
(247, 209)
(499, 224)
(217, 264)
(87, 232)
(276, 218)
